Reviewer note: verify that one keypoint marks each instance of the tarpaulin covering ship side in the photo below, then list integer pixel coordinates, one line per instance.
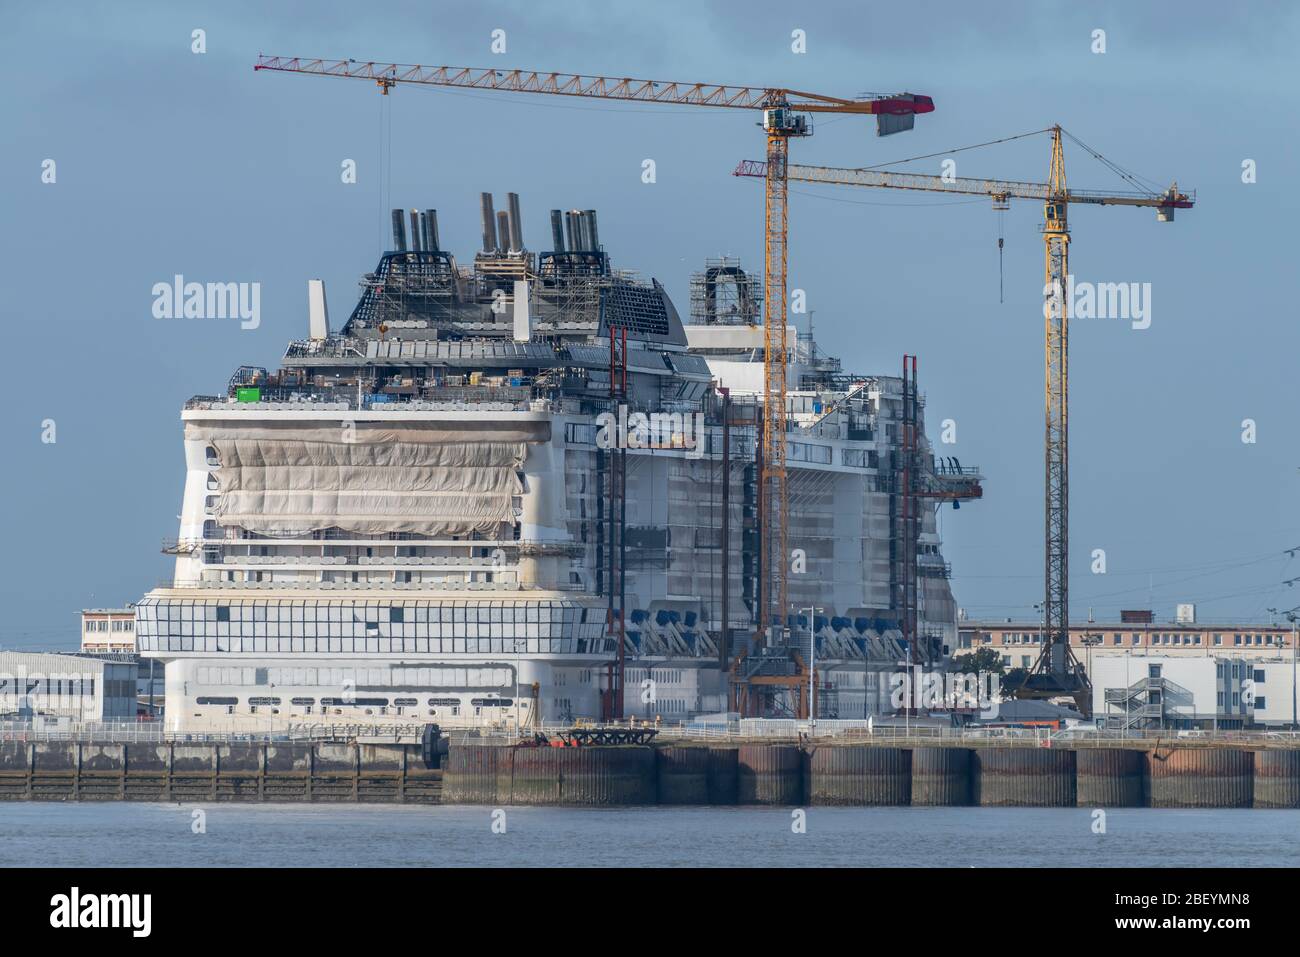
(427, 478)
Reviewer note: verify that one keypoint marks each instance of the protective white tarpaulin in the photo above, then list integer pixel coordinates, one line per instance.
(427, 478)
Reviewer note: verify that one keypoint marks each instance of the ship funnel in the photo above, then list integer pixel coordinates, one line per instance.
(489, 224)
(399, 231)
(416, 243)
(557, 231)
(503, 231)
(431, 230)
(592, 236)
(584, 230)
(516, 225)
(571, 223)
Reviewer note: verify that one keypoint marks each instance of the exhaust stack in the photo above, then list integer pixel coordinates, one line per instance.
(503, 231)
(489, 224)
(516, 225)
(399, 232)
(416, 243)
(557, 231)
(571, 223)
(431, 230)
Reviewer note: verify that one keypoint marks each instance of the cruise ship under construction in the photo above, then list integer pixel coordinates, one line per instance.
(525, 491)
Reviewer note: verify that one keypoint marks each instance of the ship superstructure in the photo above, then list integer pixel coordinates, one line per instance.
(524, 491)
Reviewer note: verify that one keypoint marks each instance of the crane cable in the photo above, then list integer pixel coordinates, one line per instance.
(1001, 224)
(959, 149)
(1142, 183)
(1133, 179)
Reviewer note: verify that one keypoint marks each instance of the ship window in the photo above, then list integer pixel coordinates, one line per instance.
(302, 701)
(213, 458)
(357, 702)
(221, 701)
(223, 613)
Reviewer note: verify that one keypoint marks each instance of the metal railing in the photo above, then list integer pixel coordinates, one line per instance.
(899, 732)
(733, 731)
(902, 735)
(154, 732)
(448, 398)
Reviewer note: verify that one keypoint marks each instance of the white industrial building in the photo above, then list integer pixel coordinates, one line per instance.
(1183, 692)
(74, 687)
(1273, 700)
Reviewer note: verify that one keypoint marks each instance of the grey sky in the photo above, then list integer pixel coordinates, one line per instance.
(170, 162)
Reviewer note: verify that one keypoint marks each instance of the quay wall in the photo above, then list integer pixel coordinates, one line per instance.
(239, 771)
(1110, 777)
(1203, 777)
(941, 777)
(1277, 779)
(858, 775)
(780, 773)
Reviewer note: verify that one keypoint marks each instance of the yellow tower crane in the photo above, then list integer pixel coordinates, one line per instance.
(1057, 672)
(785, 115)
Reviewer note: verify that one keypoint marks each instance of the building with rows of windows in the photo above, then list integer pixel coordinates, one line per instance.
(1018, 642)
(108, 630)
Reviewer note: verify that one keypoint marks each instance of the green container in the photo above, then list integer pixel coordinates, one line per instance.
(248, 394)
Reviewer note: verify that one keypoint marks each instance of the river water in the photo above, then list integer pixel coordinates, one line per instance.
(280, 835)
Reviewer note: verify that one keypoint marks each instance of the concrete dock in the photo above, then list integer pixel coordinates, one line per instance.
(774, 773)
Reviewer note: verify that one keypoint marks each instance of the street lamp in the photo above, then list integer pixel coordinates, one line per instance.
(812, 668)
(1128, 700)
(516, 687)
(1292, 616)
(1088, 642)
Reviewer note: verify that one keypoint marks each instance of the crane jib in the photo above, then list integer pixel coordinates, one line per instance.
(602, 87)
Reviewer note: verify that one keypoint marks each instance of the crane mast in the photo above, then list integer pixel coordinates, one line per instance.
(780, 124)
(1055, 653)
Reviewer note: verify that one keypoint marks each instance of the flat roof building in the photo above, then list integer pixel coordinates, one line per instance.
(108, 630)
(68, 686)
(1018, 641)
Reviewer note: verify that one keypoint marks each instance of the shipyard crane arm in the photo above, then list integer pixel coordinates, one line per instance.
(784, 116)
(996, 189)
(388, 75)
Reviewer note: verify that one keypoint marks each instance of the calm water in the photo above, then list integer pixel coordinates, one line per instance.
(109, 835)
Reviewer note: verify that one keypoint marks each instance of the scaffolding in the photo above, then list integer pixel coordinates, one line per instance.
(407, 287)
(724, 294)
